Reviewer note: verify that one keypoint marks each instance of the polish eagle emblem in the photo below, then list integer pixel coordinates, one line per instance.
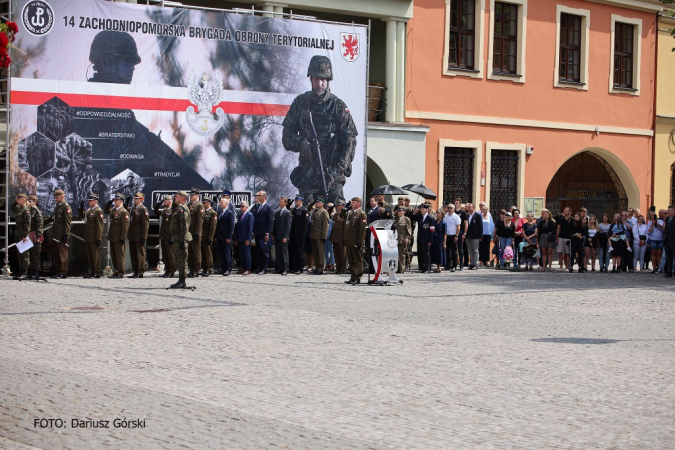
(205, 94)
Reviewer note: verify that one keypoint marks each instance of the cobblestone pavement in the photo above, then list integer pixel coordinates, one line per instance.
(480, 359)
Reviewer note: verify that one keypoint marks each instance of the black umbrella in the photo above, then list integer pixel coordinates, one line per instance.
(421, 190)
(388, 189)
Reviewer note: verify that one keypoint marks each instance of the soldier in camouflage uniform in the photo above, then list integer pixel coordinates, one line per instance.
(180, 236)
(36, 226)
(355, 235)
(93, 234)
(208, 231)
(335, 131)
(403, 229)
(137, 235)
(196, 209)
(63, 219)
(21, 230)
(163, 209)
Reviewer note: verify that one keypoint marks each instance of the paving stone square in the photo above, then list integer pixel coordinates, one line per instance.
(474, 359)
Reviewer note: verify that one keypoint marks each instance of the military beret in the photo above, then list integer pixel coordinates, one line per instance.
(340, 201)
(24, 196)
(207, 198)
(195, 190)
(227, 192)
(92, 196)
(166, 197)
(139, 195)
(357, 199)
(119, 196)
(183, 193)
(321, 199)
(58, 192)
(33, 197)
(297, 197)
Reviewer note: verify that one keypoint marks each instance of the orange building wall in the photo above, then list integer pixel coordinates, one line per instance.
(427, 90)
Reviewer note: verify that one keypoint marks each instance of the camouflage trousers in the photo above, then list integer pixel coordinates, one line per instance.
(180, 252)
(24, 258)
(36, 256)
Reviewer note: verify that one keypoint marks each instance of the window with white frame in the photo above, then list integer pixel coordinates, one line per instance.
(624, 75)
(464, 38)
(572, 42)
(508, 30)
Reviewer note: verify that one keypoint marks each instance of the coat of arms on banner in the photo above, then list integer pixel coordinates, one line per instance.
(205, 95)
(349, 46)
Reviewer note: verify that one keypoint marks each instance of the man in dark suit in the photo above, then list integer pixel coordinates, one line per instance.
(262, 230)
(280, 234)
(425, 236)
(669, 240)
(474, 234)
(243, 233)
(224, 232)
(296, 242)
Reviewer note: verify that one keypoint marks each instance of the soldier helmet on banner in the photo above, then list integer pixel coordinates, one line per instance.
(109, 45)
(320, 66)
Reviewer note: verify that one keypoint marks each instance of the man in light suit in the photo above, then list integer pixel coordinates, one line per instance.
(243, 232)
(280, 234)
(262, 230)
(224, 232)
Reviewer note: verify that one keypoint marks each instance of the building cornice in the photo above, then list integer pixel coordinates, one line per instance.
(640, 5)
(527, 123)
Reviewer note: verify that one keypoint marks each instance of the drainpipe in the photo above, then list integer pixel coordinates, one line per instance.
(656, 77)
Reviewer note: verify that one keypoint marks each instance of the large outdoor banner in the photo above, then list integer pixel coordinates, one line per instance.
(116, 97)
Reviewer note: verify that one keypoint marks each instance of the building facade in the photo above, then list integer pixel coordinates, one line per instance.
(536, 103)
(664, 139)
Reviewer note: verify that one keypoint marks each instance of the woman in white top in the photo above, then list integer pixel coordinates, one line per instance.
(639, 243)
(655, 228)
(591, 230)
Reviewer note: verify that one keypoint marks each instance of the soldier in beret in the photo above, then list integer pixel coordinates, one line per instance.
(139, 223)
(208, 231)
(180, 236)
(196, 209)
(93, 234)
(63, 219)
(21, 231)
(36, 225)
(318, 234)
(163, 209)
(118, 226)
(337, 237)
(355, 234)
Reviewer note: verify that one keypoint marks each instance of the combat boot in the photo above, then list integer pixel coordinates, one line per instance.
(180, 284)
(35, 274)
(21, 275)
